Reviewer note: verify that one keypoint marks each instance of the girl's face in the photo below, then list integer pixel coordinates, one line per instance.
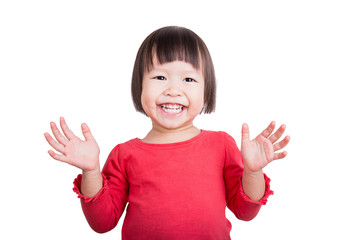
(172, 94)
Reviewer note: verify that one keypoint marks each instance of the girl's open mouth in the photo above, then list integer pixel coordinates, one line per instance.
(171, 108)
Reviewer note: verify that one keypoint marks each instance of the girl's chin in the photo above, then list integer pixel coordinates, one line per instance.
(172, 124)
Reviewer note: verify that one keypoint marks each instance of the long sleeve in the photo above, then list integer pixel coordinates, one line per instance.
(174, 191)
(241, 205)
(104, 210)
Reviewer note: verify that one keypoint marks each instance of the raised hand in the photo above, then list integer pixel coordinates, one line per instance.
(83, 154)
(260, 151)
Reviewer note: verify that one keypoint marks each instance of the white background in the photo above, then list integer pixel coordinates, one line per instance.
(296, 62)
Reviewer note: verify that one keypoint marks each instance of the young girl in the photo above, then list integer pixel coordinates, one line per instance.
(178, 179)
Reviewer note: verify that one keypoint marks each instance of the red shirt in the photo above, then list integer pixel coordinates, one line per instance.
(175, 191)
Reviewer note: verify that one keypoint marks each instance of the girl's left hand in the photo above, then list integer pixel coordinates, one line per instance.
(260, 151)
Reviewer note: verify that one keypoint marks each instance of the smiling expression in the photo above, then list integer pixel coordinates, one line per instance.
(172, 94)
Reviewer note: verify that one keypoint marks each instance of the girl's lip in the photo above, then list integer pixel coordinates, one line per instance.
(172, 104)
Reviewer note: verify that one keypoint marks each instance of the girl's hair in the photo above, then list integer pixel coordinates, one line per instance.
(169, 44)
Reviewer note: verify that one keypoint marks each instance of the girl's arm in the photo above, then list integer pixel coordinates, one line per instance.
(243, 207)
(103, 195)
(257, 154)
(104, 210)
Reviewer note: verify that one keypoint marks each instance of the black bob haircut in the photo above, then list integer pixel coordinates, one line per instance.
(170, 44)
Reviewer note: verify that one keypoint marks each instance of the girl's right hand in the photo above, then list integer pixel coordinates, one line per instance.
(74, 151)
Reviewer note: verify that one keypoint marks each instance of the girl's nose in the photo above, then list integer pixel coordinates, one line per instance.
(173, 91)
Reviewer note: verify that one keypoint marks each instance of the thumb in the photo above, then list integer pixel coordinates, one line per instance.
(245, 135)
(86, 132)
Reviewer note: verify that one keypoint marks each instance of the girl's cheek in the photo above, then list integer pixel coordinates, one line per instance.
(148, 101)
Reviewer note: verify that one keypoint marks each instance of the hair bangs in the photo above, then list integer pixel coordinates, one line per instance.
(174, 44)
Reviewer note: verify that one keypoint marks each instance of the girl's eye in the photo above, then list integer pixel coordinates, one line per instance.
(160, 78)
(189, 80)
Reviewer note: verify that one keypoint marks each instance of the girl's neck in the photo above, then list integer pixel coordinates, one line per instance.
(160, 135)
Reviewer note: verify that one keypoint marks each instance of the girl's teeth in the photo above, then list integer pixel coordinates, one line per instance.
(172, 108)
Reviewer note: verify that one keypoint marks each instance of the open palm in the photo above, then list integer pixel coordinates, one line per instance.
(83, 154)
(260, 151)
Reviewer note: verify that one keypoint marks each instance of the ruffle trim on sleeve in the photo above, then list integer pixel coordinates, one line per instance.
(77, 187)
(267, 193)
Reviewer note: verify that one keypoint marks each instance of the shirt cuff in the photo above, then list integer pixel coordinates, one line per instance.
(267, 193)
(77, 187)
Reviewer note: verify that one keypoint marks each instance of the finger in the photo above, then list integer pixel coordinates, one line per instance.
(86, 132)
(281, 144)
(266, 133)
(58, 135)
(276, 136)
(56, 156)
(245, 135)
(68, 133)
(57, 146)
(280, 155)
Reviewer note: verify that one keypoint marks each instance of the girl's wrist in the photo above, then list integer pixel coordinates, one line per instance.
(251, 173)
(92, 173)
